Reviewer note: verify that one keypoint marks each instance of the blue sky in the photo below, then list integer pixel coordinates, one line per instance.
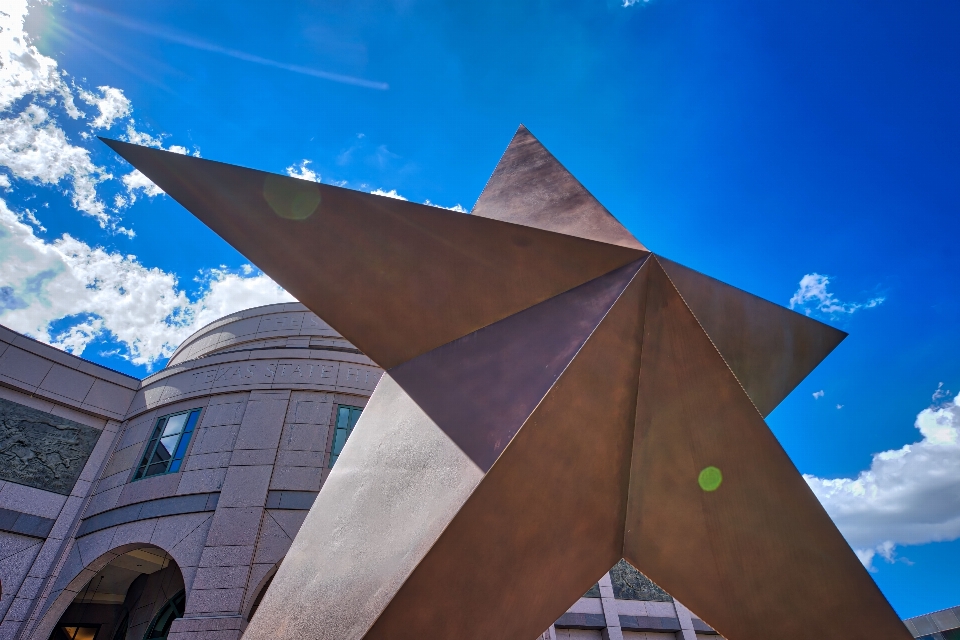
(805, 152)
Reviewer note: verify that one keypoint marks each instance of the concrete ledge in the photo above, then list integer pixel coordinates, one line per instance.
(291, 499)
(590, 621)
(172, 506)
(25, 524)
(702, 627)
(649, 623)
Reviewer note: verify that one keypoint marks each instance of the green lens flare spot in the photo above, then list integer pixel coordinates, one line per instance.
(291, 199)
(710, 479)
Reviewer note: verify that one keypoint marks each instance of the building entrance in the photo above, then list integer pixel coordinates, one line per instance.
(137, 595)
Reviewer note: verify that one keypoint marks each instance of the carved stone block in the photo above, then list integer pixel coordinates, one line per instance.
(41, 450)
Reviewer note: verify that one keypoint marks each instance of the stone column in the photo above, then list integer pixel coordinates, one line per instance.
(610, 613)
(214, 608)
(549, 634)
(38, 585)
(686, 622)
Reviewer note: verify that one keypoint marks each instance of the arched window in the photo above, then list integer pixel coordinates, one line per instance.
(173, 609)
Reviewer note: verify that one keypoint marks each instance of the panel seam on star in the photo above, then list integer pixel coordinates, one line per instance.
(512, 440)
(490, 324)
(712, 343)
(636, 408)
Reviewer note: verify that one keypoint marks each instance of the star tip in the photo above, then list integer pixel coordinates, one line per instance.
(110, 142)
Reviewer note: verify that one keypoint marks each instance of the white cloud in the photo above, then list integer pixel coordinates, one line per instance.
(303, 172)
(388, 194)
(136, 181)
(102, 293)
(813, 296)
(818, 394)
(111, 103)
(34, 95)
(908, 496)
(23, 69)
(142, 138)
(457, 207)
(393, 194)
(630, 3)
(33, 147)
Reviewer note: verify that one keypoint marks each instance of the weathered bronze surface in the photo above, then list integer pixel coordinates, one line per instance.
(556, 399)
(757, 557)
(769, 349)
(531, 187)
(41, 450)
(378, 268)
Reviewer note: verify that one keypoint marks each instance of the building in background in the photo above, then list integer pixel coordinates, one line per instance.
(939, 625)
(162, 508)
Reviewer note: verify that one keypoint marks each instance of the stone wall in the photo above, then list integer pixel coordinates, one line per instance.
(43, 492)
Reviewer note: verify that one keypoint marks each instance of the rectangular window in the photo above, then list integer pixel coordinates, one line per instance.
(168, 444)
(346, 419)
(79, 631)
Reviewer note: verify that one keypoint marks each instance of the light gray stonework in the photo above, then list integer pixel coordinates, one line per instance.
(81, 540)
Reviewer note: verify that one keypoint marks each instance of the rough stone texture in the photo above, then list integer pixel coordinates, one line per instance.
(38, 502)
(41, 450)
(630, 584)
(246, 486)
(17, 554)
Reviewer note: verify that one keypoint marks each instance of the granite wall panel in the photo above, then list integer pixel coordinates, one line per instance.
(109, 397)
(67, 382)
(24, 367)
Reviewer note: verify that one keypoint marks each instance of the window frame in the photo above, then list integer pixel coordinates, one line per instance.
(96, 626)
(157, 618)
(334, 454)
(184, 438)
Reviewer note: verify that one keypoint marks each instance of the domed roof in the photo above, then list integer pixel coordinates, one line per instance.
(266, 327)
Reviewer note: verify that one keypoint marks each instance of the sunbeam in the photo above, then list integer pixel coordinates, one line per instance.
(196, 43)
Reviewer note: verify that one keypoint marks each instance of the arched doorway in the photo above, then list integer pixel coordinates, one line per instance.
(136, 595)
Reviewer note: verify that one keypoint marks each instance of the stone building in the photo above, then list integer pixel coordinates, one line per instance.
(163, 507)
(939, 625)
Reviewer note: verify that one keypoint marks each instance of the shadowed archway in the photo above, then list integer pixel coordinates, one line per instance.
(132, 593)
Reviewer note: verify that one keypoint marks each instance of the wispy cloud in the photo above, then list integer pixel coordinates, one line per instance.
(388, 194)
(303, 172)
(813, 296)
(393, 194)
(818, 394)
(196, 43)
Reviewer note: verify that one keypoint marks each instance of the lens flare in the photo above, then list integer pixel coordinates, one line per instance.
(710, 479)
(290, 198)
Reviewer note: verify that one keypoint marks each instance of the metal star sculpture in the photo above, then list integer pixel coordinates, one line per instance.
(556, 397)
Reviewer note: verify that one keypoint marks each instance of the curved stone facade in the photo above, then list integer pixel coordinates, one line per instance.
(95, 544)
(267, 382)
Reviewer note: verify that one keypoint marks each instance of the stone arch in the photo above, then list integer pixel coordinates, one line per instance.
(180, 536)
(67, 588)
(255, 596)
